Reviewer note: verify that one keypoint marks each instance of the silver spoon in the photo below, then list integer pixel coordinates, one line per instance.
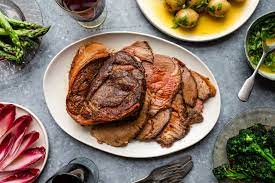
(247, 87)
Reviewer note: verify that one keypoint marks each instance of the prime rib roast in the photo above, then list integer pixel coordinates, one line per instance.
(135, 94)
(107, 88)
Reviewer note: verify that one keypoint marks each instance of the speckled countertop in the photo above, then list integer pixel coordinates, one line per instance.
(224, 57)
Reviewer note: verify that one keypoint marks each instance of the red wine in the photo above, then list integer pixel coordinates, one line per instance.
(85, 10)
(79, 5)
(66, 178)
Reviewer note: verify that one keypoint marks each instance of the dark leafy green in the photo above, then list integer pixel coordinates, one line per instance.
(251, 156)
(263, 30)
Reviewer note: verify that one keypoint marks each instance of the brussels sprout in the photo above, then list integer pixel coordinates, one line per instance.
(174, 5)
(198, 5)
(218, 8)
(186, 18)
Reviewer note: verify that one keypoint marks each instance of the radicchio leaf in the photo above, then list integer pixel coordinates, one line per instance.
(28, 140)
(26, 159)
(24, 176)
(6, 146)
(19, 126)
(7, 116)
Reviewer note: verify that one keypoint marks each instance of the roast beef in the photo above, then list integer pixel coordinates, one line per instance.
(204, 86)
(141, 50)
(178, 125)
(114, 89)
(195, 113)
(154, 125)
(120, 133)
(163, 83)
(189, 87)
(85, 66)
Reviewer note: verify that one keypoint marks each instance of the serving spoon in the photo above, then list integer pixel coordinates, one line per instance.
(244, 93)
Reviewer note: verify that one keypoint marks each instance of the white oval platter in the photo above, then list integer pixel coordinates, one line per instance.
(56, 86)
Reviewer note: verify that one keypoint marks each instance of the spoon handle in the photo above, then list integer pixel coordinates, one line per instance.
(247, 87)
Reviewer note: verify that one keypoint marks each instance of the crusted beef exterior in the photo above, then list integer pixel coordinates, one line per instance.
(189, 86)
(121, 133)
(141, 50)
(114, 89)
(204, 86)
(85, 67)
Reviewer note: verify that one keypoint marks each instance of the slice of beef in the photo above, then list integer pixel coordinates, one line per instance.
(204, 86)
(212, 88)
(189, 87)
(117, 92)
(85, 66)
(121, 133)
(106, 89)
(195, 113)
(163, 83)
(178, 125)
(154, 125)
(141, 50)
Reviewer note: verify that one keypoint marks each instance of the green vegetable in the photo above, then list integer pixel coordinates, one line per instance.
(9, 57)
(22, 24)
(225, 171)
(261, 31)
(7, 27)
(28, 33)
(8, 48)
(250, 155)
(21, 40)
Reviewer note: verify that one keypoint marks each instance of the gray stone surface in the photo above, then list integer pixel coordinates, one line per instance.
(224, 57)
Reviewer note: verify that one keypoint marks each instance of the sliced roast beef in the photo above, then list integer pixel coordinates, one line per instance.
(154, 125)
(113, 91)
(178, 125)
(164, 83)
(204, 86)
(195, 113)
(121, 133)
(141, 50)
(189, 87)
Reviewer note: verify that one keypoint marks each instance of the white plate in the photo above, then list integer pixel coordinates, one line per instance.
(38, 126)
(249, 8)
(56, 86)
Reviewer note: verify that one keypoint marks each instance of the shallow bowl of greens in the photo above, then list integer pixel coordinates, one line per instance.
(264, 116)
(261, 29)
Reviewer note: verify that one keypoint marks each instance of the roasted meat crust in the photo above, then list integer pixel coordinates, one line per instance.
(141, 50)
(121, 133)
(107, 89)
(85, 66)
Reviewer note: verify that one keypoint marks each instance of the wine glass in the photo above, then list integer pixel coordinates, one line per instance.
(88, 13)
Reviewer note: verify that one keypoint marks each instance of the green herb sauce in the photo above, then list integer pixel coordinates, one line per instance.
(261, 31)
